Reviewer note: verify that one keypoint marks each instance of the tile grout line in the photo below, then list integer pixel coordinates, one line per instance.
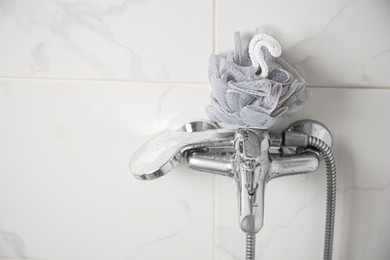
(214, 26)
(213, 236)
(170, 82)
(105, 80)
(350, 87)
(214, 198)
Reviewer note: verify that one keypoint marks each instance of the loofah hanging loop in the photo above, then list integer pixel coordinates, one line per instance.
(256, 54)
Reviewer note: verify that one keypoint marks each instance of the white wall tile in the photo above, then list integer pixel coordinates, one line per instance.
(65, 188)
(134, 40)
(334, 42)
(295, 206)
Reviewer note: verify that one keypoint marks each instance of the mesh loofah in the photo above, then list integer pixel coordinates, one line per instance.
(252, 89)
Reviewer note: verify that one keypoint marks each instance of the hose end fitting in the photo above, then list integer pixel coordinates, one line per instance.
(295, 139)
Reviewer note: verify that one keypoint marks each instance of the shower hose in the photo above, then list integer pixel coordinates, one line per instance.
(330, 163)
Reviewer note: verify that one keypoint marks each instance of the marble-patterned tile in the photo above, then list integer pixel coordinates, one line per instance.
(335, 42)
(65, 188)
(144, 40)
(295, 206)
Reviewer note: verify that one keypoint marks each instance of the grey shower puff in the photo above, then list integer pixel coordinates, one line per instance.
(242, 98)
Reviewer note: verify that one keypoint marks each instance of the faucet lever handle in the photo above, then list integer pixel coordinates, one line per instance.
(164, 152)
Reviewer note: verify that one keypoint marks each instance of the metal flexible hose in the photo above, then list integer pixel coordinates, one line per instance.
(250, 246)
(331, 193)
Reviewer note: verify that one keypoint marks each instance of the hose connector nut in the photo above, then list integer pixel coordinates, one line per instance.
(295, 139)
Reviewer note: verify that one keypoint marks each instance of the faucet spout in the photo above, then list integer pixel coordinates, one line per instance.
(252, 209)
(252, 164)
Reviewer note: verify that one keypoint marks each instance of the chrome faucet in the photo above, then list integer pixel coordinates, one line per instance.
(251, 156)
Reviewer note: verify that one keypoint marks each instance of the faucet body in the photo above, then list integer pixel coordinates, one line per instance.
(250, 156)
(257, 158)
